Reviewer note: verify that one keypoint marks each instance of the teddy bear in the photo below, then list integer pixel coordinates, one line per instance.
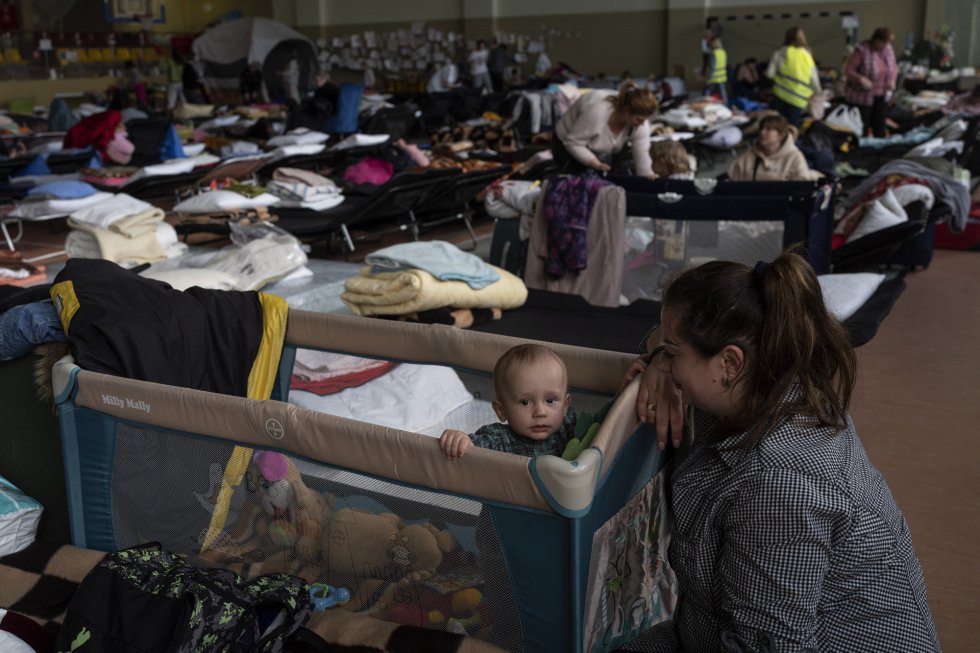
(380, 557)
(280, 523)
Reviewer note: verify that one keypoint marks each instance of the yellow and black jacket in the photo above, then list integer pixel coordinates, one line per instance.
(123, 324)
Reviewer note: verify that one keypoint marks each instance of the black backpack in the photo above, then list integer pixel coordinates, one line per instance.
(149, 600)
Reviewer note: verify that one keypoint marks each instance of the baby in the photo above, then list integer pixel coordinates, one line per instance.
(531, 400)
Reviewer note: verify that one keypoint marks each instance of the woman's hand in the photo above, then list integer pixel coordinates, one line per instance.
(659, 401)
(866, 83)
(600, 166)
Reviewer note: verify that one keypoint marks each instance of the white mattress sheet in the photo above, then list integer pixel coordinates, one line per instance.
(410, 397)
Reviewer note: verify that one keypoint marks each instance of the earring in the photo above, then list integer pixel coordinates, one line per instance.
(727, 381)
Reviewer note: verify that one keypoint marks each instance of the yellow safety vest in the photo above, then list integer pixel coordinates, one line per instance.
(792, 82)
(719, 73)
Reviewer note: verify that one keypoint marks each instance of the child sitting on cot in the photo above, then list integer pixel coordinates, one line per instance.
(531, 398)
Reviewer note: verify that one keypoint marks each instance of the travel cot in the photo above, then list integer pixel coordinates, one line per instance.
(535, 555)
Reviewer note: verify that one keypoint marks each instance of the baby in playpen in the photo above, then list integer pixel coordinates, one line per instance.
(531, 399)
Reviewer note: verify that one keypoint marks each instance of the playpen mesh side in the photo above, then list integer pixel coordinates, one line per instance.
(658, 249)
(372, 537)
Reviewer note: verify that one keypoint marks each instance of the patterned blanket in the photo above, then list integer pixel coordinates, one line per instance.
(39, 582)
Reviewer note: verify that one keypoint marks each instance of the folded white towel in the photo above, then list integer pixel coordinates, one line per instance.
(120, 213)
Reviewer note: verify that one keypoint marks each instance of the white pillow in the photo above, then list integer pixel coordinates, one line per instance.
(724, 137)
(359, 140)
(290, 150)
(223, 200)
(844, 294)
(914, 192)
(184, 278)
(193, 149)
(298, 137)
(54, 207)
(884, 212)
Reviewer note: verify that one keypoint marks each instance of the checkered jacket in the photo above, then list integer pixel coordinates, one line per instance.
(793, 544)
(865, 62)
(499, 436)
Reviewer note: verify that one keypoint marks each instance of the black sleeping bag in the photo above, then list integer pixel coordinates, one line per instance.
(123, 324)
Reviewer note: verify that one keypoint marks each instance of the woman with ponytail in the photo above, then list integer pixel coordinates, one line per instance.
(599, 124)
(785, 535)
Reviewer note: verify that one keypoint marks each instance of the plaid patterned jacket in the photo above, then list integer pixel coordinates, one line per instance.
(793, 544)
(865, 62)
(498, 436)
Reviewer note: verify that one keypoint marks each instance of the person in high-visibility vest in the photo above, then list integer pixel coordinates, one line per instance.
(794, 75)
(718, 71)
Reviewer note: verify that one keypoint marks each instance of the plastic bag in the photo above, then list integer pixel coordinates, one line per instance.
(845, 117)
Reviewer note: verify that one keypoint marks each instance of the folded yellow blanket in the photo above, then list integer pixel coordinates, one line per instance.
(411, 291)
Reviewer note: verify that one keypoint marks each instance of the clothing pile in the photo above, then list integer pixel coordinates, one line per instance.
(298, 188)
(122, 229)
(513, 199)
(422, 276)
(237, 197)
(57, 199)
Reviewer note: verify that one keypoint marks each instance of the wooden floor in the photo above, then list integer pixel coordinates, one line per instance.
(917, 409)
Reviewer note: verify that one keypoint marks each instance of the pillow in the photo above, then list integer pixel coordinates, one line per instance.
(909, 193)
(223, 200)
(63, 190)
(724, 137)
(298, 137)
(291, 150)
(360, 140)
(184, 278)
(844, 294)
(193, 149)
(55, 207)
(884, 212)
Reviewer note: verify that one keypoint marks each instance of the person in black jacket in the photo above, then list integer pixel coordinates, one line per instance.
(315, 110)
(194, 89)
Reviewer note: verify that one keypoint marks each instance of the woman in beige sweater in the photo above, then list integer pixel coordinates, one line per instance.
(599, 124)
(774, 156)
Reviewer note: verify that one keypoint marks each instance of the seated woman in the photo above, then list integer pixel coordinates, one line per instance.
(786, 537)
(774, 156)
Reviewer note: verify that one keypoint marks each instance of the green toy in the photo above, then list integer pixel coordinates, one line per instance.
(586, 426)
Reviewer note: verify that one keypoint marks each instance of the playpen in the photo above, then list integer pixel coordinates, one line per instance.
(541, 554)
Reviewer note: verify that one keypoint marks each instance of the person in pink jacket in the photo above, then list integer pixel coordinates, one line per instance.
(871, 73)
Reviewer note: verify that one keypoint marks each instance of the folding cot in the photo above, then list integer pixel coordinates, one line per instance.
(386, 209)
(156, 187)
(453, 200)
(59, 163)
(321, 162)
(538, 554)
(885, 246)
